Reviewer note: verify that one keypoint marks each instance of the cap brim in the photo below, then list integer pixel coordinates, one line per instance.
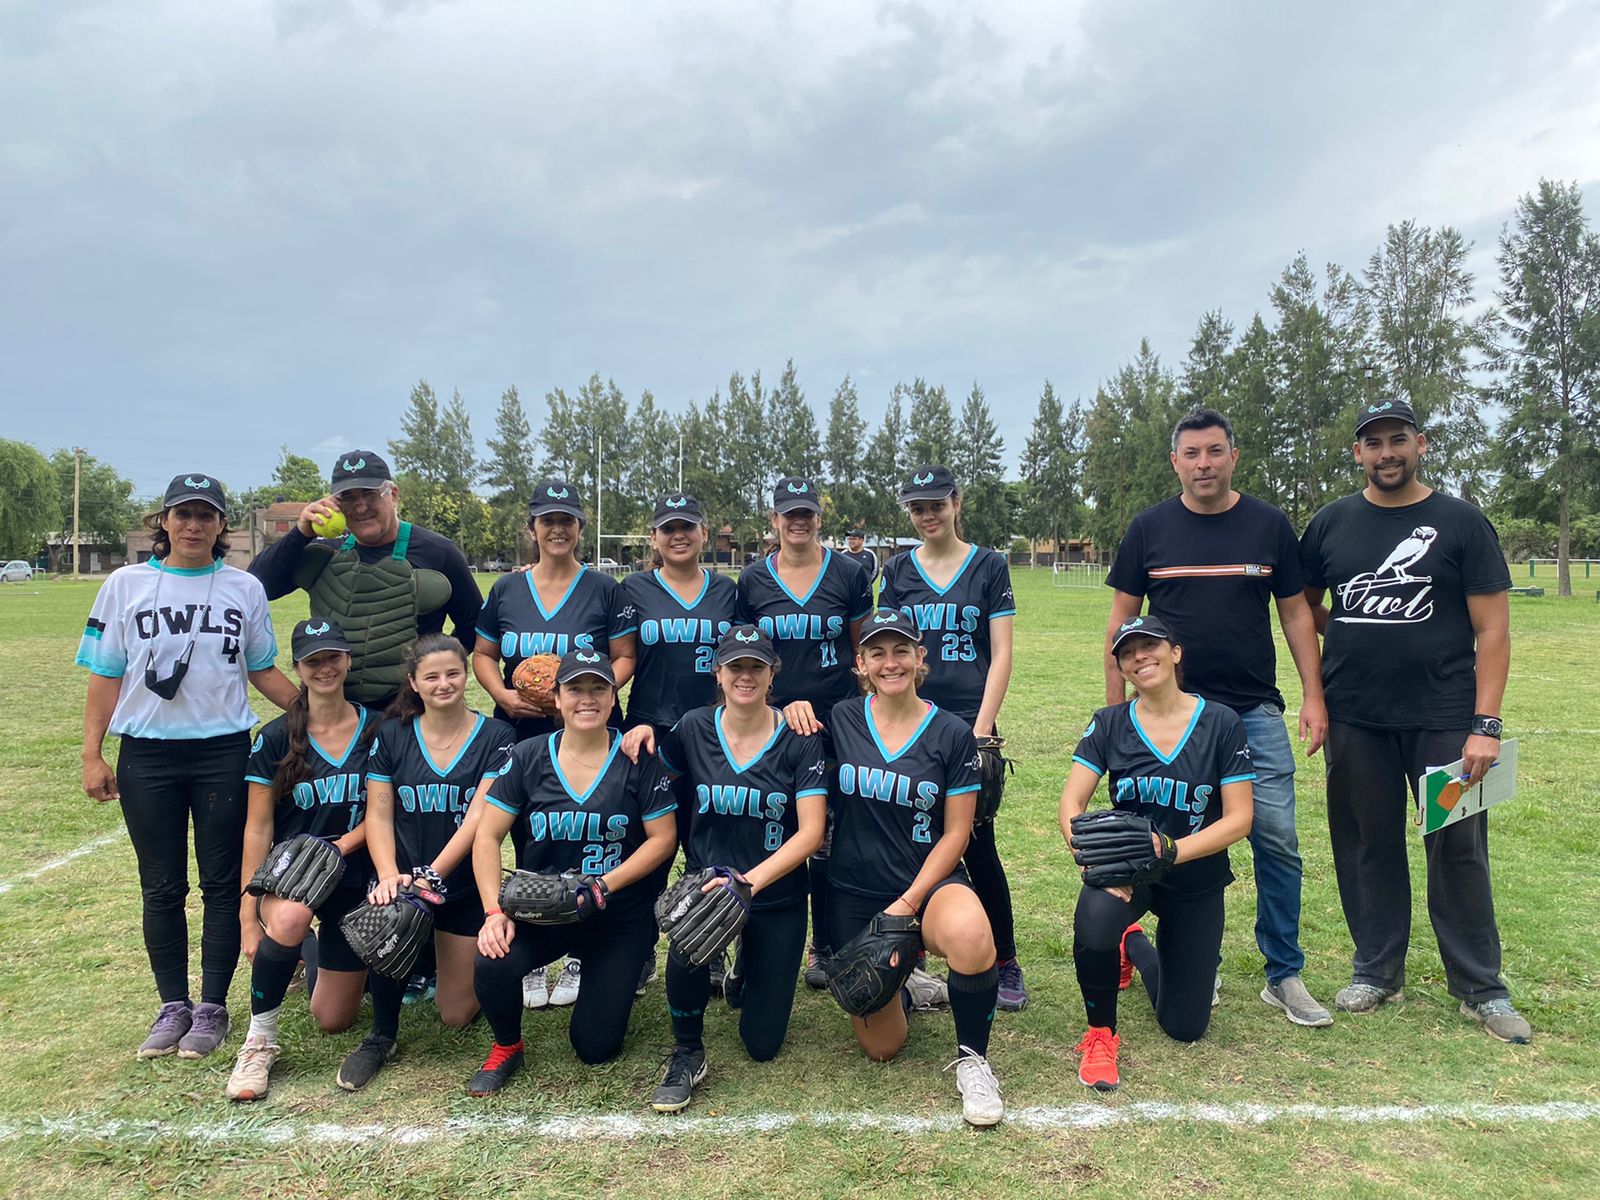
(1133, 633)
(352, 482)
(931, 493)
(789, 506)
(1388, 416)
(540, 510)
(329, 644)
(188, 496)
(693, 519)
(569, 676)
(885, 630)
(760, 656)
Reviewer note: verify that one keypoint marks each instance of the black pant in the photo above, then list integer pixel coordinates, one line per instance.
(988, 875)
(163, 783)
(612, 947)
(1179, 974)
(774, 941)
(1372, 774)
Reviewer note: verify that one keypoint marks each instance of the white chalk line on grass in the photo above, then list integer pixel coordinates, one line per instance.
(86, 1127)
(88, 847)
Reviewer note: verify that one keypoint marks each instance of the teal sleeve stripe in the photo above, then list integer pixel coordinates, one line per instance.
(1004, 612)
(661, 812)
(91, 631)
(83, 660)
(1090, 765)
(374, 777)
(862, 613)
(486, 635)
(502, 807)
(963, 791)
(624, 632)
(661, 757)
(258, 779)
(1227, 779)
(263, 664)
(811, 792)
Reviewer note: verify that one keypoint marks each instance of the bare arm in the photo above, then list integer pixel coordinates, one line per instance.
(99, 780)
(275, 686)
(456, 850)
(660, 844)
(1319, 610)
(495, 938)
(1124, 608)
(1300, 631)
(1490, 613)
(1238, 811)
(1001, 630)
(813, 814)
(942, 859)
(380, 828)
(1075, 796)
(624, 657)
(257, 841)
(486, 670)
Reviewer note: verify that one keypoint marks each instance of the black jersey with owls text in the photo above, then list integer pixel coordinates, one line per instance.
(1180, 792)
(812, 632)
(889, 808)
(517, 622)
(674, 642)
(329, 804)
(954, 621)
(557, 828)
(431, 799)
(744, 811)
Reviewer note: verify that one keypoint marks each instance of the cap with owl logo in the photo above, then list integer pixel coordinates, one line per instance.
(195, 486)
(555, 496)
(580, 662)
(746, 641)
(929, 482)
(359, 469)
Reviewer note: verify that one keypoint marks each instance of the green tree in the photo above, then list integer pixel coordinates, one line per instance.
(653, 470)
(1550, 329)
(511, 472)
(297, 477)
(884, 467)
(794, 443)
(30, 500)
(1128, 428)
(563, 440)
(1051, 463)
(930, 428)
(844, 447)
(106, 510)
(1207, 370)
(418, 455)
(1254, 407)
(747, 456)
(977, 460)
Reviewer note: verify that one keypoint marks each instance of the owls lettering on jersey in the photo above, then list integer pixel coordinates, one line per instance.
(674, 642)
(329, 804)
(954, 621)
(1181, 792)
(560, 829)
(810, 631)
(889, 808)
(431, 799)
(743, 812)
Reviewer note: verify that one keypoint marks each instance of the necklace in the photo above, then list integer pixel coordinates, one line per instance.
(448, 742)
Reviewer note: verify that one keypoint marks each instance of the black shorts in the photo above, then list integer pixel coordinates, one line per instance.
(460, 914)
(333, 952)
(849, 912)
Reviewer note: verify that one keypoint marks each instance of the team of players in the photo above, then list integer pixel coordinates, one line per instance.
(743, 782)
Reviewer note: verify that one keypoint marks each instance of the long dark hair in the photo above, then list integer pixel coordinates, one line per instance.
(161, 544)
(408, 704)
(294, 767)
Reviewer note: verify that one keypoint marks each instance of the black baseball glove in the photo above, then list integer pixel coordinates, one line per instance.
(869, 970)
(1115, 848)
(538, 899)
(302, 868)
(993, 766)
(700, 925)
(388, 937)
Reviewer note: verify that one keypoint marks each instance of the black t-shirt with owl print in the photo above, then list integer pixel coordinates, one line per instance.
(1399, 651)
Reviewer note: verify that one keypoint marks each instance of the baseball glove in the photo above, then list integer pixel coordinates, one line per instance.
(993, 766)
(700, 925)
(535, 681)
(388, 937)
(1115, 848)
(537, 899)
(302, 868)
(870, 969)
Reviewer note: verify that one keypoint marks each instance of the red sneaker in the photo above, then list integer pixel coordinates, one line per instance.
(1125, 980)
(1098, 1068)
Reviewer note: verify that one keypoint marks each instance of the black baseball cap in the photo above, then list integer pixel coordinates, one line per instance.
(928, 482)
(794, 491)
(746, 641)
(856, 533)
(889, 620)
(1146, 626)
(576, 663)
(1388, 410)
(195, 486)
(315, 635)
(555, 496)
(677, 506)
(359, 469)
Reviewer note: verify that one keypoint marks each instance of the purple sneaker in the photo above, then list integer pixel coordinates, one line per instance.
(1013, 992)
(210, 1030)
(171, 1025)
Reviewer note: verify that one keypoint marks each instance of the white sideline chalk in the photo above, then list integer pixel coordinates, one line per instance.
(626, 1127)
(88, 847)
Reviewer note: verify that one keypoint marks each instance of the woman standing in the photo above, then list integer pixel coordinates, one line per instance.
(172, 646)
(1184, 764)
(572, 804)
(759, 792)
(960, 596)
(810, 602)
(306, 776)
(908, 781)
(430, 758)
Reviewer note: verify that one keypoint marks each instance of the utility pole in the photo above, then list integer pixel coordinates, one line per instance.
(599, 496)
(77, 487)
(680, 463)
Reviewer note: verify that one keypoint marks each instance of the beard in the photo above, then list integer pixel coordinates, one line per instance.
(1408, 472)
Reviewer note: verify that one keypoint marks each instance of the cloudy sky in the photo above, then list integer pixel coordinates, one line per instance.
(230, 226)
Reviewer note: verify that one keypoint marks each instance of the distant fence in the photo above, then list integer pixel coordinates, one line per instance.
(1077, 574)
(1588, 565)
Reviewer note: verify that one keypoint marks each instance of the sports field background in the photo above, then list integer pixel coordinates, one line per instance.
(76, 998)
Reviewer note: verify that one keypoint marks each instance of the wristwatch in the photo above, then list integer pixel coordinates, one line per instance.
(1486, 726)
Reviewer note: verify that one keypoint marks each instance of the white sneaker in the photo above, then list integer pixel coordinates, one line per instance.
(566, 989)
(927, 991)
(1216, 991)
(252, 1070)
(535, 988)
(981, 1104)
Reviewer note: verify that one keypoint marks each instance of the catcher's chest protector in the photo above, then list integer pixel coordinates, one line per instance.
(376, 604)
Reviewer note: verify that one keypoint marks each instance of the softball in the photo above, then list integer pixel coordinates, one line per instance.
(331, 525)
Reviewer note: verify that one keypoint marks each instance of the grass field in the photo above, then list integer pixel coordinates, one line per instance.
(81, 1117)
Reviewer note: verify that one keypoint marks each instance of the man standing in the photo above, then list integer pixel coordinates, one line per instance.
(855, 548)
(385, 581)
(1418, 649)
(1208, 560)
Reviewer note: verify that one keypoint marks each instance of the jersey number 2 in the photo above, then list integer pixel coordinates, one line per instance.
(958, 647)
(599, 858)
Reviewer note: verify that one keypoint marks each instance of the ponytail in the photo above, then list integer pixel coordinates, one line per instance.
(294, 767)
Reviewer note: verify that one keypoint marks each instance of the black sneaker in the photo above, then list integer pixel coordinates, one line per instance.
(686, 1066)
(817, 968)
(503, 1062)
(363, 1063)
(647, 975)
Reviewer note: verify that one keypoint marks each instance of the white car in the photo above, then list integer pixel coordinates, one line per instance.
(16, 571)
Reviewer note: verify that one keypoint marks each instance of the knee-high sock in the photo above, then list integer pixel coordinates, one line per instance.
(688, 991)
(972, 1001)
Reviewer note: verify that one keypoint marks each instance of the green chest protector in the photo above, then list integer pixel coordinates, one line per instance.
(377, 603)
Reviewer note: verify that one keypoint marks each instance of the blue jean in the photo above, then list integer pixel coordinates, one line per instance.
(1274, 842)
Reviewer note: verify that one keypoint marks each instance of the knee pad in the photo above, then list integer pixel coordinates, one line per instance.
(277, 951)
